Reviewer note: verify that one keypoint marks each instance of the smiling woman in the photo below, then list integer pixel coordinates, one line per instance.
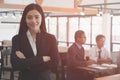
(34, 51)
(33, 21)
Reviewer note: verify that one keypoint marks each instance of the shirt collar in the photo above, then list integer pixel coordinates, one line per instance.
(78, 45)
(29, 35)
(99, 49)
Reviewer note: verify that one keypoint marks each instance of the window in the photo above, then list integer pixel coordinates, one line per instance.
(85, 25)
(73, 27)
(62, 31)
(51, 24)
(96, 27)
(7, 31)
(116, 33)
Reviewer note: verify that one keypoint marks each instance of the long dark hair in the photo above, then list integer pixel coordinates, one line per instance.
(23, 25)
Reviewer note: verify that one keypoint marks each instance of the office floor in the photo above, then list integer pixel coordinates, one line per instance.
(6, 76)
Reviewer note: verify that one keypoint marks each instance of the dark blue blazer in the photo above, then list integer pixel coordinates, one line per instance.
(31, 67)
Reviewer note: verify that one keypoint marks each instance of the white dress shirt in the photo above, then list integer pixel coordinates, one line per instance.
(32, 42)
(93, 53)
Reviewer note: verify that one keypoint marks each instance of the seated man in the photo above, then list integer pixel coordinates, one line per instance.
(75, 58)
(99, 54)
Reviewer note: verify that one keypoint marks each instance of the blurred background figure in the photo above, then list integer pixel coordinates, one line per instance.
(75, 57)
(99, 54)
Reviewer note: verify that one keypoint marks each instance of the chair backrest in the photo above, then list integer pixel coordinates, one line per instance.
(6, 62)
(6, 51)
(6, 56)
(6, 43)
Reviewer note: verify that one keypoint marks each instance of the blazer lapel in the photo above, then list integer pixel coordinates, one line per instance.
(38, 42)
(79, 52)
(25, 45)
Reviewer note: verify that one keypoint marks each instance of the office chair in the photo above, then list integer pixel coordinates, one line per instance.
(5, 58)
(6, 66)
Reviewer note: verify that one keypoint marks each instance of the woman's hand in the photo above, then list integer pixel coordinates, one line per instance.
(20, 55)
(46, 58)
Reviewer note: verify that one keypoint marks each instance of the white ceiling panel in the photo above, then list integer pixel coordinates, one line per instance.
(111, 5)
(108, 5)
(19, 1)
(59, 3)
(86, 2)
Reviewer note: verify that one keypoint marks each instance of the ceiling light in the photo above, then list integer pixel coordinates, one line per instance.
(82, 12)
(100, 12)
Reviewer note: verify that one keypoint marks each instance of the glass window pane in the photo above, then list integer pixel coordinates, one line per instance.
(116, 47)
(85, 26)
(7, 31)
(51, 25)
(116, 33)
(73, 26)
(86, 47)
(115, 29)
(62, 29)
(96, 27)
(62, 44)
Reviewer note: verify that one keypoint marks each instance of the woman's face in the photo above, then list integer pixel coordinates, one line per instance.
(33, 20)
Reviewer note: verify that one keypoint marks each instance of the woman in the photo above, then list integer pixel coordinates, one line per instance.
(34, 51)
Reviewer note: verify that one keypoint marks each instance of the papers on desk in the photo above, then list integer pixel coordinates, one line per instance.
(109, 65)
(103, 66)
(97, 66)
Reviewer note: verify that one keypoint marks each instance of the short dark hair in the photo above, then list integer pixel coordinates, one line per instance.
(98, 37)
(23, 24)
(78, 33)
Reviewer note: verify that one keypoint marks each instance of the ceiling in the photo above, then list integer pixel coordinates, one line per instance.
(73, 7)
(107, 6)
(93, 7)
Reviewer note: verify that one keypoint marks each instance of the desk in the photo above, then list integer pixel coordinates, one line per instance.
(111, 77)
(100, 70)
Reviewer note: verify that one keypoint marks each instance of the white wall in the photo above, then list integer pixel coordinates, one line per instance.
(18, 1)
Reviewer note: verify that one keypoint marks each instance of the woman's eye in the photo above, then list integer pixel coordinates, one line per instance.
(37, 17)
(29, 17)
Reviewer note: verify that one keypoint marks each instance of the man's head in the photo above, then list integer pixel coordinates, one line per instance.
(100, 40)
(80, 37)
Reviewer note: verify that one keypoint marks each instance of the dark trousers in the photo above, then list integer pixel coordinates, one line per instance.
(79, 75)
(45, 75)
